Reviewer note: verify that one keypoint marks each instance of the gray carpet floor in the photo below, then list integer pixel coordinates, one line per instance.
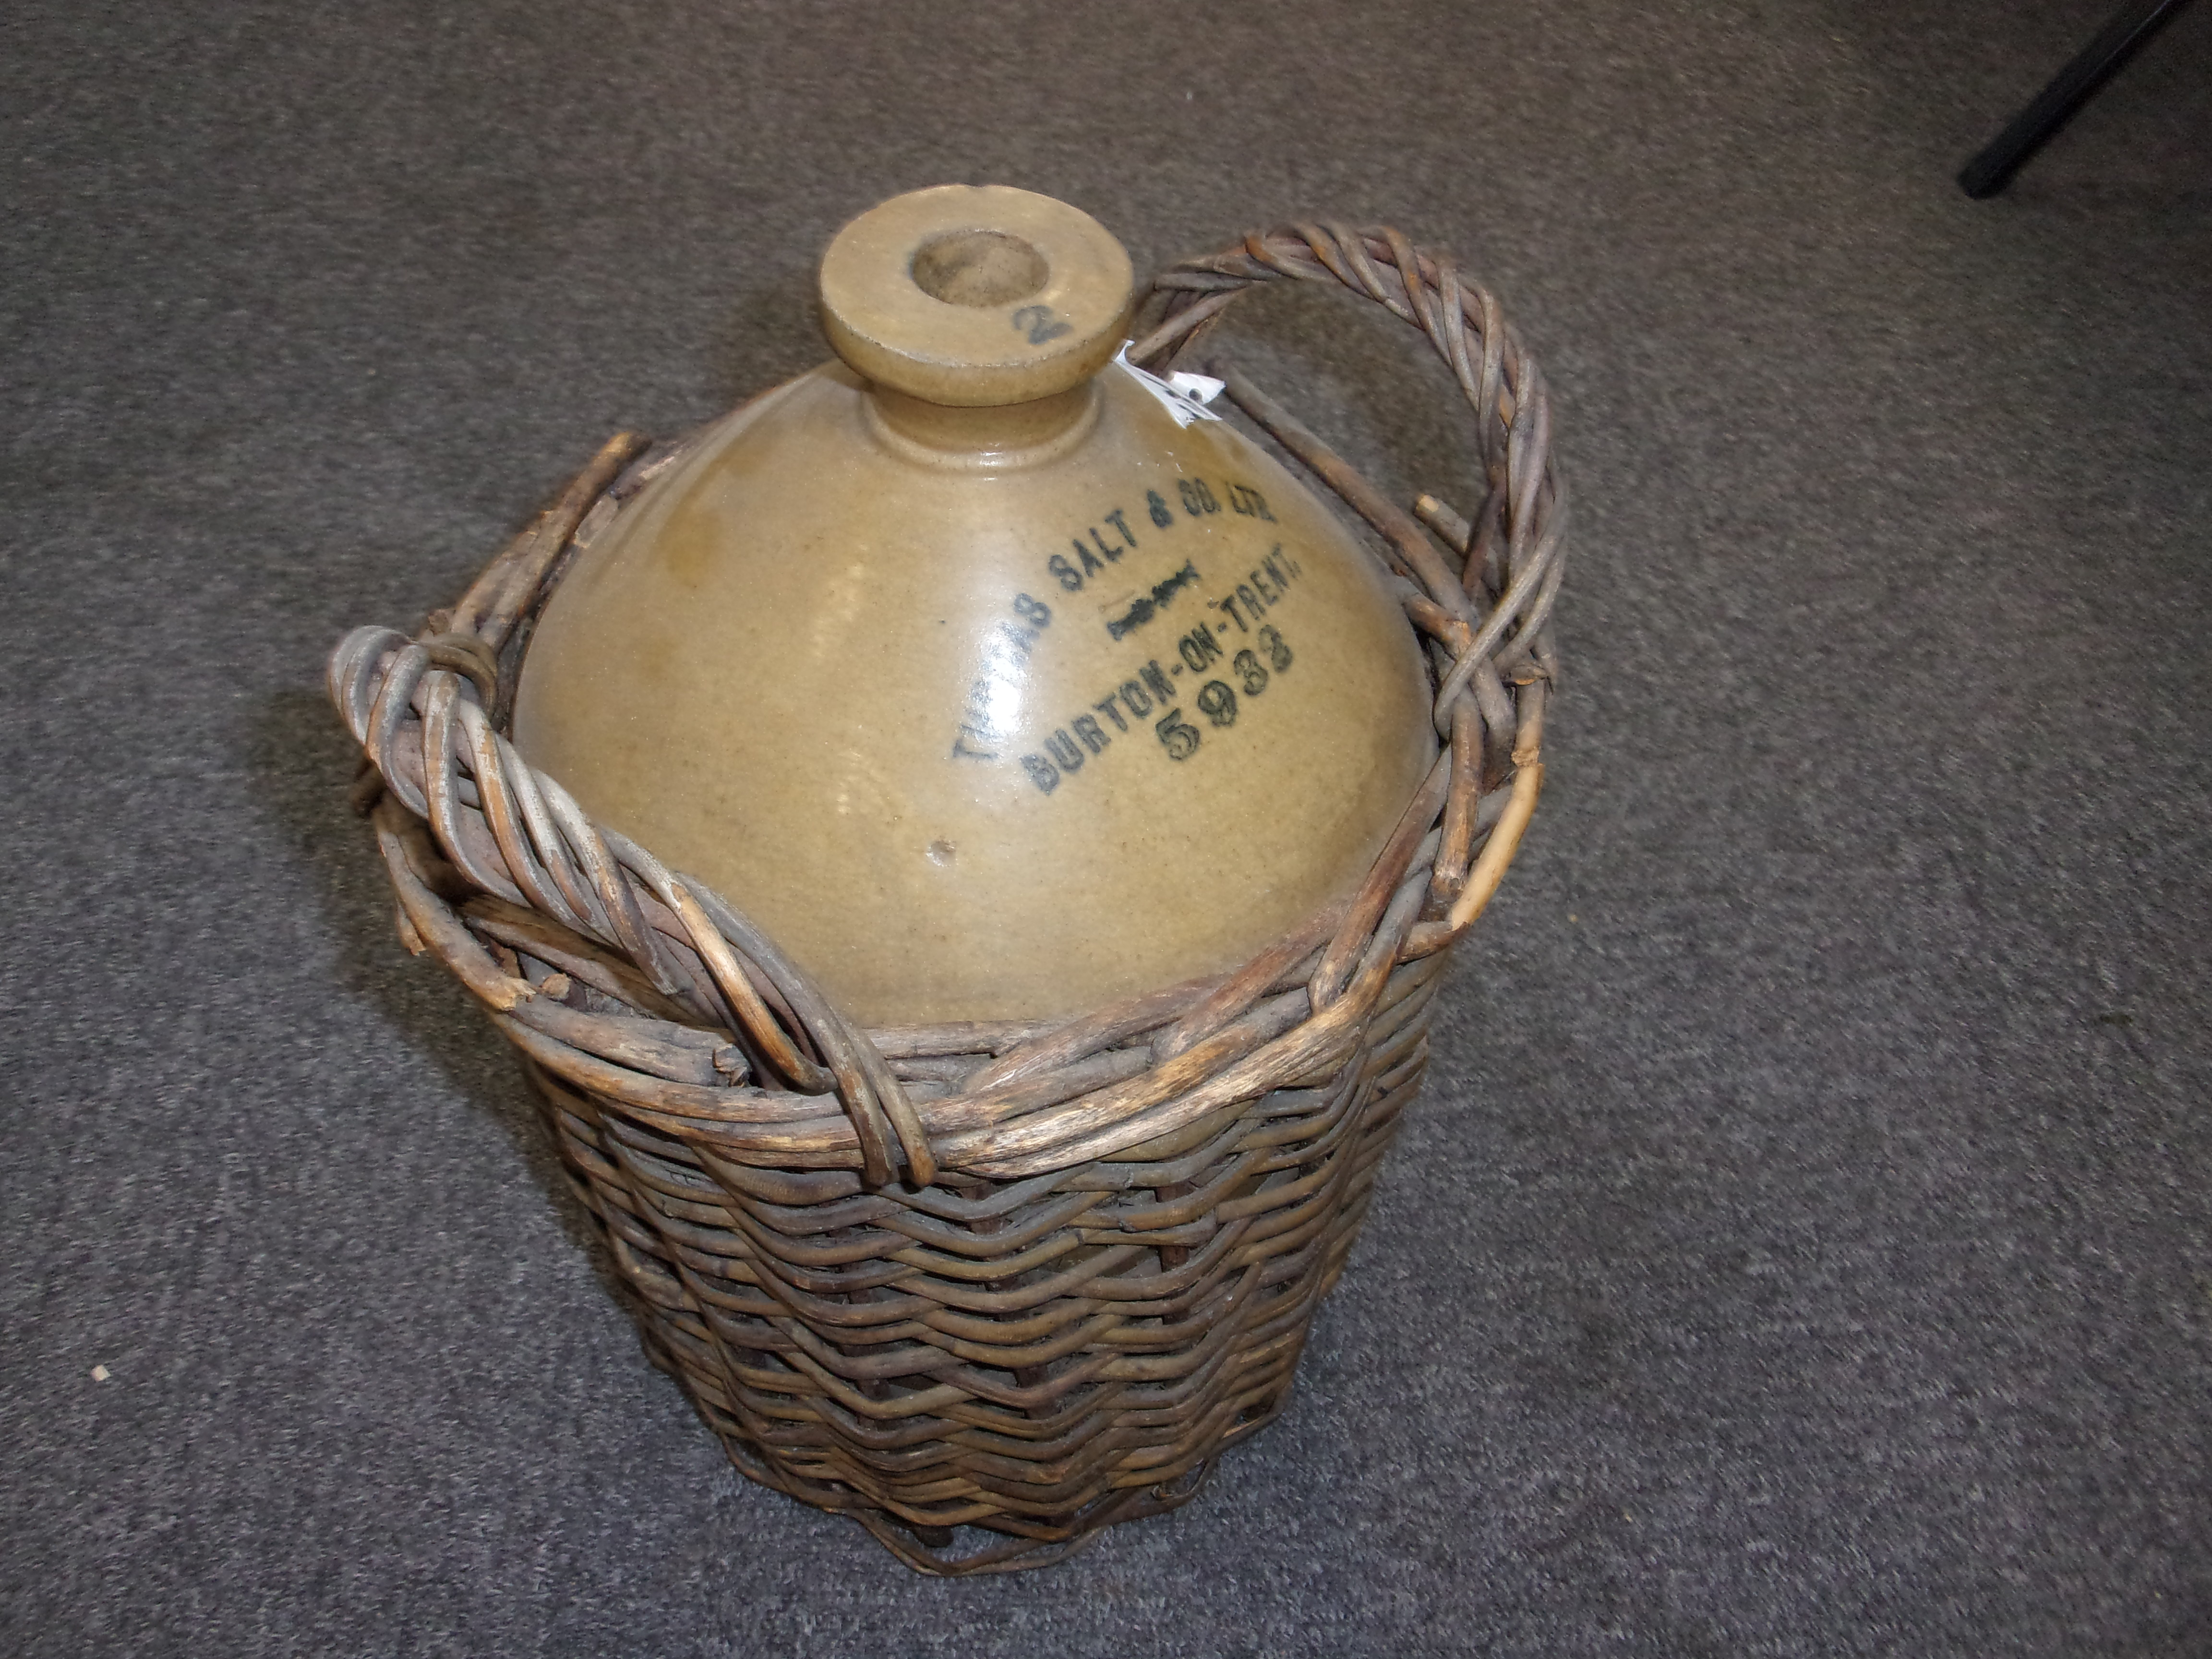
(1804, 1246)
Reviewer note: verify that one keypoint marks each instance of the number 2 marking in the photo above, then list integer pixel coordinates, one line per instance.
(1040, 324)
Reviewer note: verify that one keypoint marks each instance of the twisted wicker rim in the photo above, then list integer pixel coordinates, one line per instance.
(733, 1047)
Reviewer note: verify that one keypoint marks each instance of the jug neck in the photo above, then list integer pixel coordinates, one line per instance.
(987, 438)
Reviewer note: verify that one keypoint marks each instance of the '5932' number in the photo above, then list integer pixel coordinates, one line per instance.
(1218, 702)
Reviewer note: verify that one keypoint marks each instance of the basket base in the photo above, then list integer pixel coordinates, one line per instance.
(930, 1549)
(936, 1550)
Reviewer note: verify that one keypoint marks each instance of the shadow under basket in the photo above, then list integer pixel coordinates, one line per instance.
(1028, 1279)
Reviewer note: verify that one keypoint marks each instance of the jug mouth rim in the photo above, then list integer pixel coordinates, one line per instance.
(973, 295)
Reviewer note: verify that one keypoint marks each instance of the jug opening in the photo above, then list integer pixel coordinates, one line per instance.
(978, 268)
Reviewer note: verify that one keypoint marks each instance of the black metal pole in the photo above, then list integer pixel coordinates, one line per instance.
(2055, 106)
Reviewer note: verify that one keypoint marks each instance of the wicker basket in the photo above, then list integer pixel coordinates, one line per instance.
(1024, 1278)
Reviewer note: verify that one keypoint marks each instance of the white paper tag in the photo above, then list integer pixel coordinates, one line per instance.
(1185, 395)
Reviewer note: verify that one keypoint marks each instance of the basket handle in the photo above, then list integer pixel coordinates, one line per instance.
(1481, 590)
(418, 710)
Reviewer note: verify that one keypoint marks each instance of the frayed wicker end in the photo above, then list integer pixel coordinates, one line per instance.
(1022, 1278)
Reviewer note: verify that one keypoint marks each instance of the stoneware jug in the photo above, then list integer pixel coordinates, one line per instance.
(990, 682)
